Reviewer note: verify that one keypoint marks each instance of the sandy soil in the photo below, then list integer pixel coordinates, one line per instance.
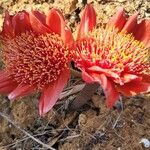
(93, 127)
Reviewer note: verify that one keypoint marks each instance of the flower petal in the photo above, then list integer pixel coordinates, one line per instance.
(20, 91)
(134, 87)
(55, 20)
(107, 72)
(52, 92)
(6, 83)
(56, 23)
(7, 89)
(87, 77)
(142, 32)
(130, 25)
(88, 21)
(7, 86)
(67, 37)
(109, 89)
(146, 78)
(38, 22)
(129, 77)
(21, 22)
(7, 25)
(119, 19)
(4, 76)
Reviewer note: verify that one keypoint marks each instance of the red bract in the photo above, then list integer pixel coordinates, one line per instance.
(115, 54)
(36, 54)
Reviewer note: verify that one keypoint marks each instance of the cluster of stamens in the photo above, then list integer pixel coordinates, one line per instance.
(35, 59)
(108, 48)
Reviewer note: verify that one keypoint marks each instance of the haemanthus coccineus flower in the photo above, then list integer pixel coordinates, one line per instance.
(116, 54)
(36, 54)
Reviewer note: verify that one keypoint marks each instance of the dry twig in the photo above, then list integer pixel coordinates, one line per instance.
(25, 132)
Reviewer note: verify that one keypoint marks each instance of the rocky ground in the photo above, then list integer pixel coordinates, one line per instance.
(93, 127)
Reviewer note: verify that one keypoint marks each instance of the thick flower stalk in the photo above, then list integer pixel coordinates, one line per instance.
(36, 53)
(115, 55)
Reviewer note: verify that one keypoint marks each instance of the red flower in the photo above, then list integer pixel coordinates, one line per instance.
(115, 54)
(36, 55)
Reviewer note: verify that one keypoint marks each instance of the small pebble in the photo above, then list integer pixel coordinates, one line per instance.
(145, 142)
(82, 119)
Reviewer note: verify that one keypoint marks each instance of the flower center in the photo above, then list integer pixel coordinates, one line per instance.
(110, 49)
(35, 60)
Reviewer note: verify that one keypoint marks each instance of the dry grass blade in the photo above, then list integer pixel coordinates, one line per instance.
(84, 96)
(73, 90)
